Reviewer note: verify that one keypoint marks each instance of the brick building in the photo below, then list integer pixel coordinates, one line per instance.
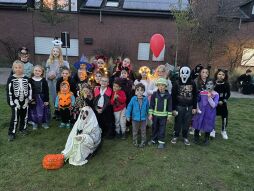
(117, 27)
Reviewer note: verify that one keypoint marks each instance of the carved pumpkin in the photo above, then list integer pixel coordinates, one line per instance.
(53, 161)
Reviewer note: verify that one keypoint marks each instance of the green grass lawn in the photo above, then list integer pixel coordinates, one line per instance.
(223, 165)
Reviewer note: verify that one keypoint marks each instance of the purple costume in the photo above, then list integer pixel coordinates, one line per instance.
(205, 121)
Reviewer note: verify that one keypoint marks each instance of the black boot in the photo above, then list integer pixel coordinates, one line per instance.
(196, 136)
(206, 141)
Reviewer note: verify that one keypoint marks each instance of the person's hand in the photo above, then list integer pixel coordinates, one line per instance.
(150, 117)
(174, 113)
(78, 138)
(209, 94)
(220, 102)
(99, 110)
(199, 111)
(194, 111)
(46, 103)
(115, 96)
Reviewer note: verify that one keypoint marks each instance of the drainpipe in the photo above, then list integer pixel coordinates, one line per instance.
(100, 16)
(240, 23)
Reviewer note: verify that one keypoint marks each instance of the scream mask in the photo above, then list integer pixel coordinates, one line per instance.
(185, 74)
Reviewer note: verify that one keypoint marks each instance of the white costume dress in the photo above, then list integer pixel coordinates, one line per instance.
(83, 139)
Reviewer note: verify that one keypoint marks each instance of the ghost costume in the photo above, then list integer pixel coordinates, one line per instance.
(83, 139)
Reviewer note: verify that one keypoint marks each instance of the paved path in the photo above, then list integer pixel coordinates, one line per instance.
(4, 74)
(239, 95)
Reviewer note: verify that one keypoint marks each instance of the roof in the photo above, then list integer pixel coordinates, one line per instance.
(160, 8)
(234, 8)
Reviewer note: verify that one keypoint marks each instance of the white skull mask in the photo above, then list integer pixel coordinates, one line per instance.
(185, 74)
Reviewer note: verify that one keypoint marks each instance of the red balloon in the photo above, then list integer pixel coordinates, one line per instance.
(157, 44)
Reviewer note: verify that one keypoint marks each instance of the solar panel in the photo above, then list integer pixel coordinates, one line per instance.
(158, 5)
(13, 1)
(94, 3)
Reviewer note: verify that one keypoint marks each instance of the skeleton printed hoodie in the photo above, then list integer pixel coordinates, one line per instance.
(19, 91)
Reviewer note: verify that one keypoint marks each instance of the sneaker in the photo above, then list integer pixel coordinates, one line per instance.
(161, 146)
(62, 125)
(224, 135)
(135, 143)
(68, 125)
(11, 138)
(30, 122)
(152, 142)
(212, 134)
(191, 131)
(186, 141)
(45, 126)
(174, 140)
(142, 144)
(35, 126)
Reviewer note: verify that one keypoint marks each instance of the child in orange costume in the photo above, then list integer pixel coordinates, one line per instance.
(65, 100)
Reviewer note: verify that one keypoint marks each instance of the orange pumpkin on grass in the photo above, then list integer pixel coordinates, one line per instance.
(53, 161)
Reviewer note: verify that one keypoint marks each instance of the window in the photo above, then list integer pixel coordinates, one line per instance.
(248, 57)
(112, 3)
(161, 56)
(143, 51)
(43, 45)
(63, 5)
(252, 10)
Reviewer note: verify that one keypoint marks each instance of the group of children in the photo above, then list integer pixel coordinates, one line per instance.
(118, 98)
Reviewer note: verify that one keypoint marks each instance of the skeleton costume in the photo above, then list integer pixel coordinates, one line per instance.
(184, 96)
(83, 139)
(19, 94)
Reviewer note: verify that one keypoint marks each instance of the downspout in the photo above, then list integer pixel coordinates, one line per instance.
(240, 23)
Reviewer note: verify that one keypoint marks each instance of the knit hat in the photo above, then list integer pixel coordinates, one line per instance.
(161, 81)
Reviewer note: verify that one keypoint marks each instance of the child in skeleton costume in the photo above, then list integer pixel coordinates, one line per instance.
(223, 89)
(184, 95)
(39, 112)
(65, 101)
(84, 98)
(159, 111)
(144, 72)
(83, 139)
(54, 66)
(205, 119)
(137, 110)
(18, 96)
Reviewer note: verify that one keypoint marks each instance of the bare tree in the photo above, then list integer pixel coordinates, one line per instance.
(11, 47)
(50, 11)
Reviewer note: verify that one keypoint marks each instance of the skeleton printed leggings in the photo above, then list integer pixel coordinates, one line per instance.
(19, 116)
(224, 123)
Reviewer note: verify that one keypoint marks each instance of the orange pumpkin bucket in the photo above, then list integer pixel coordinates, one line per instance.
(53, 161)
